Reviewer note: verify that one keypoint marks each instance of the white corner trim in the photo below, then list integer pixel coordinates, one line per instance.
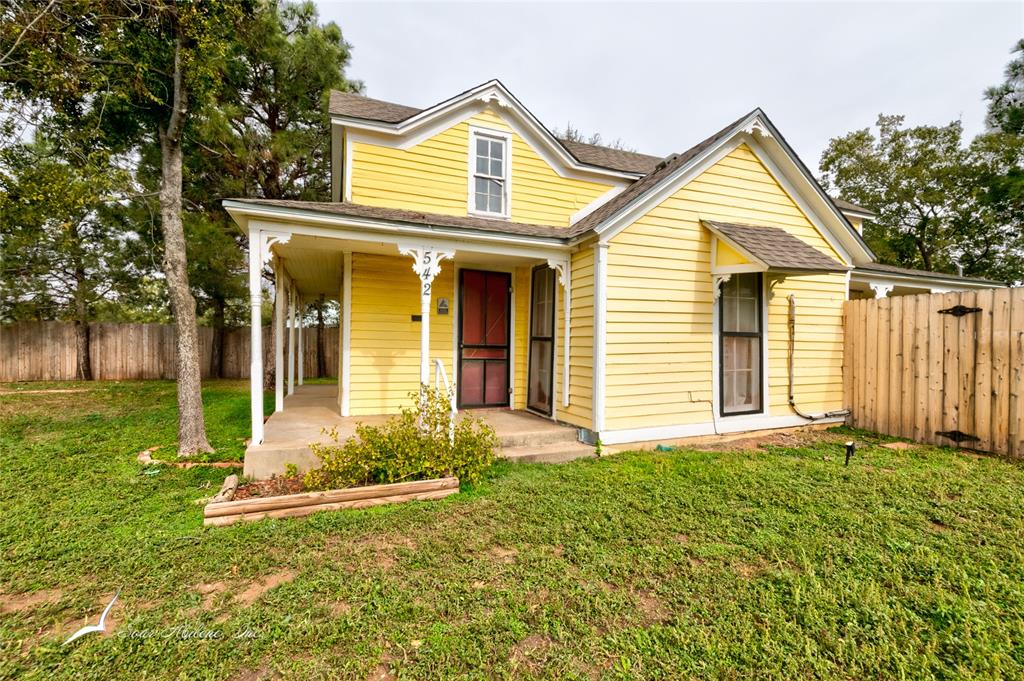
(600, 333)
(476, 131)
(726, 425)
(347, 177)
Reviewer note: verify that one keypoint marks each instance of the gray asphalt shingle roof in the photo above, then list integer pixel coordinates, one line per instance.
(776, 248)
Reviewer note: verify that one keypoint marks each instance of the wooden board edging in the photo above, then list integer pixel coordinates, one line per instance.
(297, 505)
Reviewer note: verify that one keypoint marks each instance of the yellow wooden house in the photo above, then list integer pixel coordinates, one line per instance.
(622, 297)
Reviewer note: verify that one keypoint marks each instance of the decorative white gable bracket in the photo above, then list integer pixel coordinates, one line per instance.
(881, 290)
(772, 283)
(758, 129)
(716, 284)
(268, 239)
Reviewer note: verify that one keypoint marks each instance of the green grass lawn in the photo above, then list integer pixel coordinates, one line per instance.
(773, 563)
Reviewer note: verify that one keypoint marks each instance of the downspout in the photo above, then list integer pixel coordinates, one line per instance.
(792, 351)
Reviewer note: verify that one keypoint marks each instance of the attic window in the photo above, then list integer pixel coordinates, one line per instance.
(489, 174)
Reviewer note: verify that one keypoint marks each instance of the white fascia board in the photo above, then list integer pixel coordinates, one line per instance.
(429, 122)
(361, 229)
(910, 280)
(855, 214)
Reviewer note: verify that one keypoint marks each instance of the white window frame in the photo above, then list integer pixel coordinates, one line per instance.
(506, 203)
(716, 387)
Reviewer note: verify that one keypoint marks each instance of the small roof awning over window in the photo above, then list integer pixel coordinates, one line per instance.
(749, 248)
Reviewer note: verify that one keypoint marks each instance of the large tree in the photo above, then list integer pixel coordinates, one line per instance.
(266, 136)
(914, 178)
(60, 257)
(135, 70)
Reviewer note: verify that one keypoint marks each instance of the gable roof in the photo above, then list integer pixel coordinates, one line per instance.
(359, 106)
(355, 106)
(775, 248)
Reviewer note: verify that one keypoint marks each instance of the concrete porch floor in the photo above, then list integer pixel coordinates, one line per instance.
(312, 410)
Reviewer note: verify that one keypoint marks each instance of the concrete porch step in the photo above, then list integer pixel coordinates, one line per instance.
(553, 452)
(548, 435)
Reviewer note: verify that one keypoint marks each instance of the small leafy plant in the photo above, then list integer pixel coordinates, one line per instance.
(420, 443)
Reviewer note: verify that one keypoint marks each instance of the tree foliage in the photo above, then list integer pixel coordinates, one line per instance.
(941, 202)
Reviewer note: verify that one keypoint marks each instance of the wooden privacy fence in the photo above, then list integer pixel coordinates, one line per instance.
(45, 351)
(944, 368)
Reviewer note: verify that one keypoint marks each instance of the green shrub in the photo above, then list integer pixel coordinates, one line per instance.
(414, 445)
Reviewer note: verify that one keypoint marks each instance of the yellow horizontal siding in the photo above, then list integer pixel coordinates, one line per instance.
(521, 301)
(432, 176)
(385, 356)
(581, 340)
(660, 333)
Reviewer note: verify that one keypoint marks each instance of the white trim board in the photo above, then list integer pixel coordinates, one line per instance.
(495, 95)
(738, 424)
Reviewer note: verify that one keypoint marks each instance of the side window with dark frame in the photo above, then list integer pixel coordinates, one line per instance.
(742, 336)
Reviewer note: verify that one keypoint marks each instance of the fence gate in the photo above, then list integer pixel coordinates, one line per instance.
(943, 368)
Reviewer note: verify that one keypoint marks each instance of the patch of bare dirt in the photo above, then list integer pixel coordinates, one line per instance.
(28, 601)
(110, 624)
(790, 439)
(264, 673)
(502, 554)
(251, 593)
(747, 570)
(209, 592)
(899, 446)
(939, 526)
(652, 609)
(530, 652)
(682, 538)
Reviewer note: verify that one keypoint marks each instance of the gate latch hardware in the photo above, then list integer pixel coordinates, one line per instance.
(959, 310)
(957, 436)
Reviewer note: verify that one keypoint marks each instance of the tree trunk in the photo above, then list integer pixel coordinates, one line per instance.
(321, 358)
(83, 337)
(217, 346)
(926, 256)
(191, 425)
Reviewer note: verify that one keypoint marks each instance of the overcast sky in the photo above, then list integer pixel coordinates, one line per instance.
(663, 76)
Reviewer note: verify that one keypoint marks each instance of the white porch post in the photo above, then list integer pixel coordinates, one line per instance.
(564, 270)
(426, 264)
(279, 297)
(291, 337)
(346, 334)
(256, 337)
(301, 341)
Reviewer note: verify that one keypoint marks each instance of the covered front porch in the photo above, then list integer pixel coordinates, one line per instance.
(311, 412)
(484, 315)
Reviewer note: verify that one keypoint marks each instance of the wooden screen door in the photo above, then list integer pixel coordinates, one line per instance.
(542, 340)
(484, 338)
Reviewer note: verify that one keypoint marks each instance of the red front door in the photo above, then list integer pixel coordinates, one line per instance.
(484, 338)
